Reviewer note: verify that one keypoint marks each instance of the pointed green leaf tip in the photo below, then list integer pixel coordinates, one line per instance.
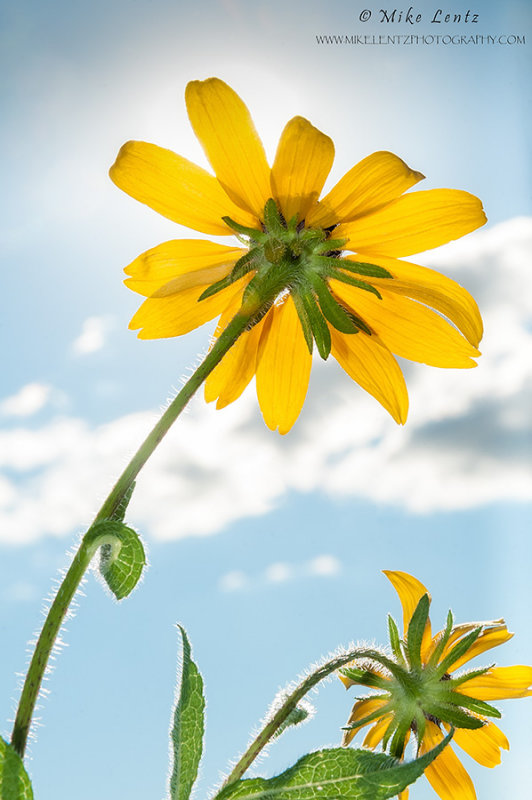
(336, 774)
(14, 780)
(188, 727)
(122, 556)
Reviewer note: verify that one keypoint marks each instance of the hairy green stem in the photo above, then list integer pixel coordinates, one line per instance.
(109, 510)
(280, 716)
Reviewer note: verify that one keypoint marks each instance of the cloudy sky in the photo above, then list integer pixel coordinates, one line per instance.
(267, 549)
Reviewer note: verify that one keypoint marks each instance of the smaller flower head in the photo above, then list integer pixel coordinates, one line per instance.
(420, 694)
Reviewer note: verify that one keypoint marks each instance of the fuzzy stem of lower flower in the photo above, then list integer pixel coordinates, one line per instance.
(290, 703)
(111, 510)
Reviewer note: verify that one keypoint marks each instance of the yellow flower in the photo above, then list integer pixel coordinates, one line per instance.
(420, 694)
(324, 272)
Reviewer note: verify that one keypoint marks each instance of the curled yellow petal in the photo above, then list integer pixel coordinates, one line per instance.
(362, 709)
(432, 289)
(283, 368)
(303, 160)
(182, 263)
(226, 132)
(376, 733)
(162, 317)
(370, 184)
(408, 328)
(500, 683)
(368, 362)
(489, 638)
(176, 188)
(483, 744)
(410, 592)
(413, 223)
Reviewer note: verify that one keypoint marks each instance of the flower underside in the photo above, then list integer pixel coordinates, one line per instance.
(324, 271)
(288, 257)
(419, 694)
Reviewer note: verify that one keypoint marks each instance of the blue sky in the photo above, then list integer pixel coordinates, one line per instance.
(267, 549)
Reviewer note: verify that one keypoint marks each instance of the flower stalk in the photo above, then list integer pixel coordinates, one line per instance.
(112, 508)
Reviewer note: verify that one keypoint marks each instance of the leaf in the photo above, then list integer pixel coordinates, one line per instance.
(188, 727)
(14, 780)
(122, 556)
(336, 774)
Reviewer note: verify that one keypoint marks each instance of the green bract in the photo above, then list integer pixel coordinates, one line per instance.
(286, 256)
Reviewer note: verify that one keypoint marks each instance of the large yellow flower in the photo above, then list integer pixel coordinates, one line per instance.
(324, 272)
(420, 694)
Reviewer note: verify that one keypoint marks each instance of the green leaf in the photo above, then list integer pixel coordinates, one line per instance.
(14, 780)
(122, 556)
(188, 727)
(334, 775)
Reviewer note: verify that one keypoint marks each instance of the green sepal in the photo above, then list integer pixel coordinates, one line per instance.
(447, 712)
(272, 219)
(397, 744)
(122, 556)
(474, 704)
(15, 783)
(336, 774)
(304, 320)
(188, 726)
(416, 629)
(395, 639)
(253, 233)
(363, 268)
(438, 650)
(459, 649)
(330, 245)
(333, 312)
(357, 267)
(365, 677)
(245, 264)
(319, 327)
(338, 275)
(377, 714)
(458, 680)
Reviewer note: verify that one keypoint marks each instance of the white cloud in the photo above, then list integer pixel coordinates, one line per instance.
(93, 336)
(27, 401)
(325, 565)
(467, 442)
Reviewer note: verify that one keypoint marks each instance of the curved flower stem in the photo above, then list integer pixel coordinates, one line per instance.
(109, 510)
(290, 703)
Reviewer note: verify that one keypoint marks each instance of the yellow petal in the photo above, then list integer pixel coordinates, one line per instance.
(176, 188)
(433, 289)
(225, 129)
(283, 369)
(182, 263)
(446, 774)
(483, 744)
(408, 328)
(487, 639)
(413, 223)
(403, 795)
(368, 362)
(410, 592)
(361, 710)
(236, 369)
(500, 683)
(370, 184)
(303, 160)
(376, 733)
(162, 317)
